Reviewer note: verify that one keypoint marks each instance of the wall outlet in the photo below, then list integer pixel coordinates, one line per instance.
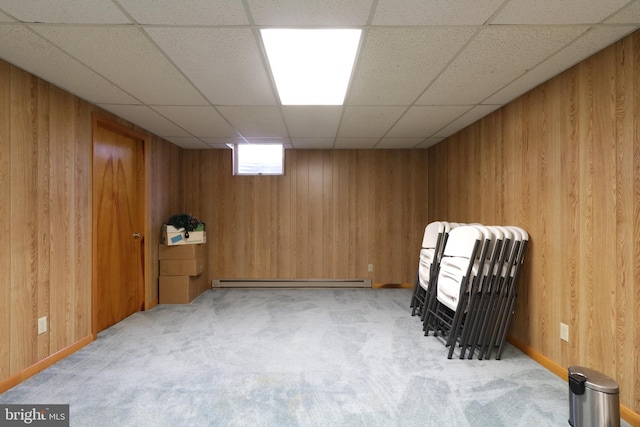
(42, 325)
(564, 332)
(370, 268)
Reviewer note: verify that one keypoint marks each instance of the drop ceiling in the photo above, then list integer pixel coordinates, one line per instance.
(194, 71)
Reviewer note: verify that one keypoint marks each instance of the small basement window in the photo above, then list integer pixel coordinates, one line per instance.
(258, 159)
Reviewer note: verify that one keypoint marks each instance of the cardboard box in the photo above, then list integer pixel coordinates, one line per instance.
(182, 251)
(181, 267)
(181, 289)
(177, 236)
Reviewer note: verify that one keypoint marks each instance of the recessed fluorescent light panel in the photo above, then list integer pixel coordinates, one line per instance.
(311, 66)
(258, 159)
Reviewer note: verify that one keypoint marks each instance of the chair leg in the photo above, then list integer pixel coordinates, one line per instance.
(503, 334)
(414, 298)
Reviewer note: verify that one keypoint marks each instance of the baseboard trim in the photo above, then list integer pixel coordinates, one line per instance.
(626, 414)
(26, 373)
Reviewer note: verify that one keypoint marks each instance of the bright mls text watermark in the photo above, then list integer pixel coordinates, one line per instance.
(34, 415)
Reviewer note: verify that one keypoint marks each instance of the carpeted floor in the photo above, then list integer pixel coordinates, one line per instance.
(291, 357)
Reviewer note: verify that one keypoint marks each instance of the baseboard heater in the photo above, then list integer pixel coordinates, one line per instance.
(291, 283)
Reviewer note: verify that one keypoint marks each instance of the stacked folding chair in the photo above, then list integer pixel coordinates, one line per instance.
(484, 273)
(470, 293)
(485, 297)
(455, 276)
(433, 241)
(504, 309)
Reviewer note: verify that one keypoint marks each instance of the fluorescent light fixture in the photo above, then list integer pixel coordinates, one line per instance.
(258, 159)
(311, 66)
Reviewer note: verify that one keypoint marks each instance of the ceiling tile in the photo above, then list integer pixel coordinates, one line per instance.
(368, 121)
(239, 79)
(65, 11)
(398, 143)
(198, 121)
(430, 142)
(312, 143)
(310, 12)
(192, 12)
(434, 12)
(220, 142)
(312, 121)
(396, 65)
(147, 75)
(146, 118)
(477, 72)
(595, 39)
(473, 115)
(28, 51)
(5, 17)
(356, 143)
(188, 142)
(628, 15)
(557, 12)
(424, 121)
(260, 122)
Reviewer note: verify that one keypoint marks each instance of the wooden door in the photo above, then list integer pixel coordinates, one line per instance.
(118, 203)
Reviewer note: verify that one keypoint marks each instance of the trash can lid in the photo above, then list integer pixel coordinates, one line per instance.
(596, 380)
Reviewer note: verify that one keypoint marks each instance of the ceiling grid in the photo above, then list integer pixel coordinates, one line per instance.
(195, 73)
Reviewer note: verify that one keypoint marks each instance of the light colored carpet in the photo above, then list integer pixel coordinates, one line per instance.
(291, 357)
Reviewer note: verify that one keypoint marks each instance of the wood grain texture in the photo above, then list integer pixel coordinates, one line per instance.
(118, 210)
(164, 198)
(23, 279)
(45, 176)
(332, 214)
(569, 154)
(5, 212)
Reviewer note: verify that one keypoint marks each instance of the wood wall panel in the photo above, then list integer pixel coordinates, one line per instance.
(569, 160)
(332, 214)
(22, 279)
(624, 81)
(165, 198)
(44, 216)
(45, 203)
(633, 316)
(5, 212)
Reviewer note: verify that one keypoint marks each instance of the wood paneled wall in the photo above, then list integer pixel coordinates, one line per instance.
(563, 161)
(45, 218)
(332, 214)
(45, 206)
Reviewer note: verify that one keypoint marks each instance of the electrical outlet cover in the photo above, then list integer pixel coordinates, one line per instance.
(42, 325)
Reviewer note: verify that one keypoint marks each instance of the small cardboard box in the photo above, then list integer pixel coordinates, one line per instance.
(181, 267)
(182, 251)
(181, 289)
(177, 236)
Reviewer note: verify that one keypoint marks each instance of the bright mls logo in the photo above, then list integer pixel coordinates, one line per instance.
(34, 415)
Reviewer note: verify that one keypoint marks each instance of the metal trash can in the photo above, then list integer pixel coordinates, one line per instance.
(594, 399)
